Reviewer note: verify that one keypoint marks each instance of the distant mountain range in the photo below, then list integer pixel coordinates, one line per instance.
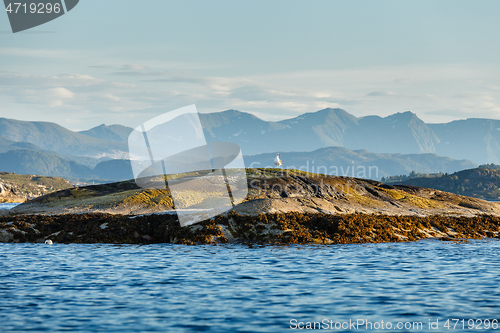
(477, 140)
(335, 161)
(117, 133)
(53, 137)
(338, 161)
(46, 163)
(330, 137)
(474, 139)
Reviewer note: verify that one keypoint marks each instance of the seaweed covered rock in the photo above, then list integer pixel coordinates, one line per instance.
(277, 228)
(281, 207)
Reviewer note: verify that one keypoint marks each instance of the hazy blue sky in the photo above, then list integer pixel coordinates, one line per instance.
(124, 61)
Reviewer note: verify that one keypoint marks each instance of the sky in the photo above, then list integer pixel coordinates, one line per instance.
(125, 61)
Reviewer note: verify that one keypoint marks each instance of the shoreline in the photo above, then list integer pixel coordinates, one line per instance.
(270, 228)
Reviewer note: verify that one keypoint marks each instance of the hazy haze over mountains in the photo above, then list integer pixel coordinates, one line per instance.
(475, 139)
(396, 144)
(53, 137)
(118, 133)
(338, 161)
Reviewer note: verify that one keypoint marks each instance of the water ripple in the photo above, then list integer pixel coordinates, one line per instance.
(240, 288)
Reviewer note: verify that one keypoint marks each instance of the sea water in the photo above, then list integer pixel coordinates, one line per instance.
(8, 205)
(241, 288)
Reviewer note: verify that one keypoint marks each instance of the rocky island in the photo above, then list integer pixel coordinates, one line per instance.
(482, 182)
(16, 188)
(282, 207)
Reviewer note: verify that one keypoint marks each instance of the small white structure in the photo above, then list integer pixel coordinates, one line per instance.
(277, 161)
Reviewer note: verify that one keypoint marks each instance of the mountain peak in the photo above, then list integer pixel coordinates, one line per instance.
(323, 115)
(117, 133)
(231, 113)
(335, 111)
(406, 116)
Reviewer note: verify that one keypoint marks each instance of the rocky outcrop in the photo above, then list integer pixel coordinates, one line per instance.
(280, 208)
(270, 191)
(19, 188)
(11, 193)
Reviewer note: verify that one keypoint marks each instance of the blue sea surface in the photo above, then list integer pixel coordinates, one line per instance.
(241, 288)
(8, 205)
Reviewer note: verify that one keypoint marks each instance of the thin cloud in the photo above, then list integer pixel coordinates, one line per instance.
(61, 92)
(427, 91)
(381, 93)
(27, 80)
(101, 66)
(133, 67)
(141, 73)
(34, 53)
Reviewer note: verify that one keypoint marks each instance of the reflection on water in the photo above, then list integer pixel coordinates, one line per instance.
(243, 289)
